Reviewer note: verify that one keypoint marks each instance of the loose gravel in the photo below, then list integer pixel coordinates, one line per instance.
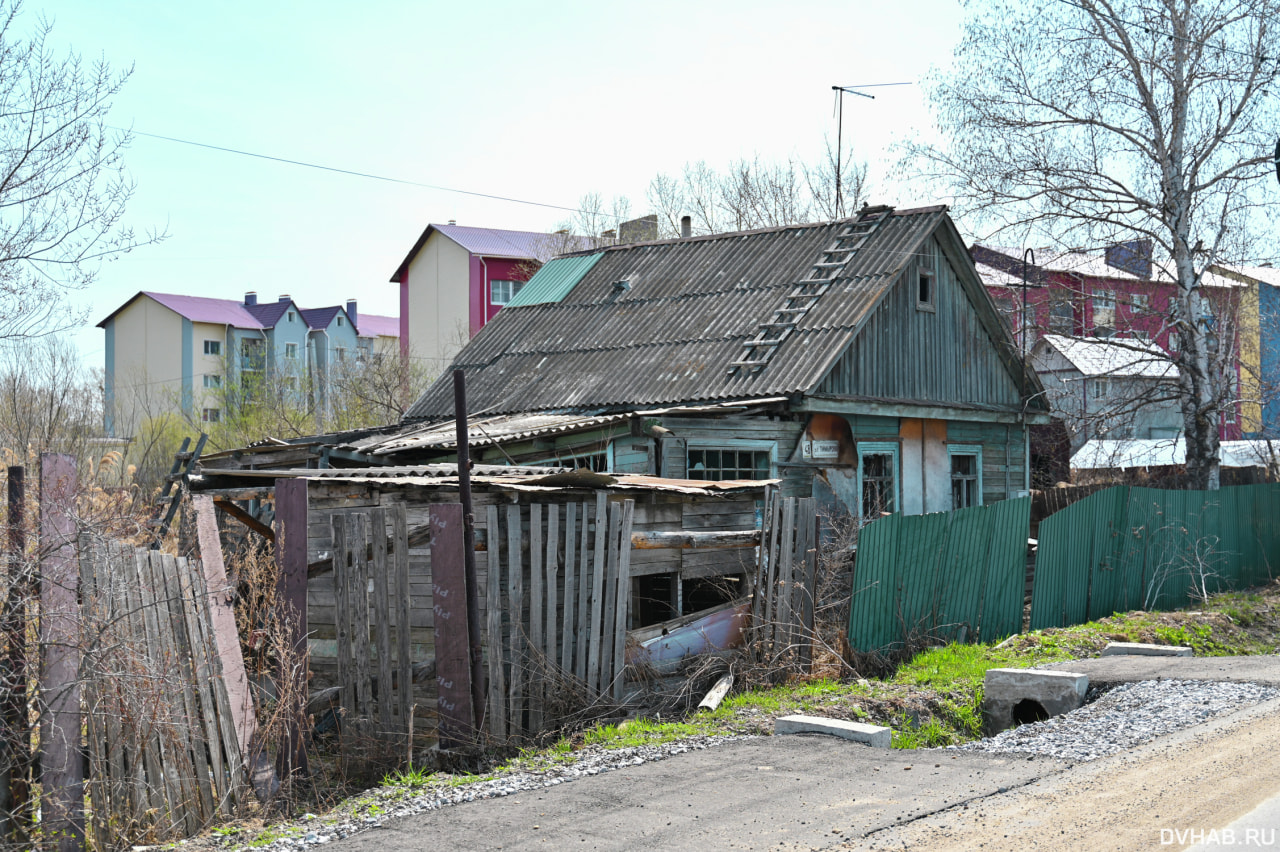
(390, 803)
(1124, 717)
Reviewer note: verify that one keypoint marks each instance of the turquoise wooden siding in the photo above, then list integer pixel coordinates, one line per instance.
(632, 455)
(1004, 461)
(1136, 548)
(950, 574)
(924, 356)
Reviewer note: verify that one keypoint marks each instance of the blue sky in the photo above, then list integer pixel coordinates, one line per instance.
(543, 102)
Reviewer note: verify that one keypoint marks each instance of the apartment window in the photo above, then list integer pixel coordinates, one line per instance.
(720, 463)
(502, 292)
(339, 322)
(291, 316)
(291, 350)
(1104, 312)
(966, 475)
(1062, 318)
(213, 347)
(878, 478)
(340, 353)
(1101, 388)
(210, 415)
(1141, 303)
(926, 291)
(212, 380)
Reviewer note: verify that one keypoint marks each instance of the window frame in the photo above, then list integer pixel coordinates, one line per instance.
(339, 320)
(340, 353)
(516, 287)
(756, 446)
(927, 278)
(211, 415)
(974, 450)
(881, 448)
(574, 455)
(291, 351)
(291, 316)
(213, 347)
(212, 380)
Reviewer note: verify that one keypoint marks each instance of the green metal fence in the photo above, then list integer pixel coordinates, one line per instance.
(958, 575)
(1144, 548)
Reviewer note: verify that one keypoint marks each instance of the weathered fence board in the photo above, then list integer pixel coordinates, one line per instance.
(782, 581)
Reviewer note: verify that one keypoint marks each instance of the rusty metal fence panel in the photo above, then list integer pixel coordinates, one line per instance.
(955, 575)
(1130, 548)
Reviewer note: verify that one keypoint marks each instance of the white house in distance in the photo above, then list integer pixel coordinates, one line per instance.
(1108, 387)
(455, 279)
(165, 350)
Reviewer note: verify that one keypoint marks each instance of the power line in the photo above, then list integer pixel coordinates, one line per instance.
(367, 175)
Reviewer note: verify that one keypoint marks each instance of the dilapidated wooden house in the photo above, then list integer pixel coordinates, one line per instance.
(860, 361)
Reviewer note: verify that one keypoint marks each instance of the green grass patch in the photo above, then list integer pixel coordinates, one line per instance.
(640, 732)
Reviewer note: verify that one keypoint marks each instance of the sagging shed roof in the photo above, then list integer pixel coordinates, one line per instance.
(660, 323)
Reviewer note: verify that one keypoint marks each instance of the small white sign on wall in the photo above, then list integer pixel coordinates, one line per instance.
(825, 449)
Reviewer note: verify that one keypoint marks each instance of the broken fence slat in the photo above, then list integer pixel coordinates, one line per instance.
(624, 598)
(493, 582)
(606, 625)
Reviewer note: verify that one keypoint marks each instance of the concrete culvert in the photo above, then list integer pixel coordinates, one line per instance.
(1027, 711)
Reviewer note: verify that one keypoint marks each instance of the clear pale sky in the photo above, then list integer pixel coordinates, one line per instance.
(538, 101)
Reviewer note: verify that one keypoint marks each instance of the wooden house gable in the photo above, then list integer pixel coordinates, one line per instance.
(934, 337)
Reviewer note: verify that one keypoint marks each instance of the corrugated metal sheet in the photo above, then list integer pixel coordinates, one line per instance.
(669, 337)
(939, 574)
(554, 280)
(1144, 548)
(483, 432)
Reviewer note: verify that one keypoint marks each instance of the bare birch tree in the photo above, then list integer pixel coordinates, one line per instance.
(63, 188)
(1091, 122)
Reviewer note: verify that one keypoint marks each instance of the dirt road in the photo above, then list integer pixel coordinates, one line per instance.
(1154, 797)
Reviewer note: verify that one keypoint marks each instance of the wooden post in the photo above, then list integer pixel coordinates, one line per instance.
(452, 633)
(15, 749)
(291, 599)
(469, 546)
(62, 766)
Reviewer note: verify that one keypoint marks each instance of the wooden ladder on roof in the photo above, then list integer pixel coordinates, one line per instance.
(806, 292)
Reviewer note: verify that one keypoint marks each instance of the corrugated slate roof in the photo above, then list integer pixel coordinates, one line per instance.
(1094, 356)
(684, 313)
(554, 280)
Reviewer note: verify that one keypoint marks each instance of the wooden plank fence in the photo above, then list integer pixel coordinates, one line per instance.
(164, 756)
(782, 600)
(371, 579)
(573, 622)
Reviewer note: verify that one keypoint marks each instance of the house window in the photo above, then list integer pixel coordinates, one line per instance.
(1141, 303)
(339, 322)
(502, 292)
(291, 350)
(878, 478)
(251, 353)
(720, 463)
(290, 316)
(340, 353)
(212, 380)
(596, 462)
(1101, 388)
(966, 475)
(213, 347)
(926, 291)
(210, 415)
(1062, 318)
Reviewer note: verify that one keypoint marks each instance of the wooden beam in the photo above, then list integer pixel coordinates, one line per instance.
(245, 518)
(695, 539)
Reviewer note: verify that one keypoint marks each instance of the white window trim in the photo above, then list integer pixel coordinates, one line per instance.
(967, 450)
(881, 448)
(291, 351)
(732, 444)
(217, 343)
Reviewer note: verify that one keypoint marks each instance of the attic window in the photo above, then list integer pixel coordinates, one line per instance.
(926, 291)
(339, 322)
(290, 316)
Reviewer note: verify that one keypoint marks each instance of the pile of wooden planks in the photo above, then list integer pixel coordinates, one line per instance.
(164, 757)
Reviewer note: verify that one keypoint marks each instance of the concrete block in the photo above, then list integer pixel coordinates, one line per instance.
(1116, 649)
(873, 735)
(1018, 696)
